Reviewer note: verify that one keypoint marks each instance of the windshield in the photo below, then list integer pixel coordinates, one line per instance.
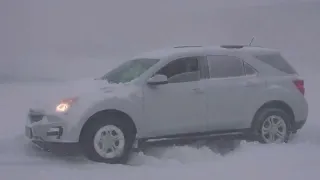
(129, 70)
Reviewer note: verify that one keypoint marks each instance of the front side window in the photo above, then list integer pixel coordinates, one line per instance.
(129, 70)
(225, 66)
(182, 70)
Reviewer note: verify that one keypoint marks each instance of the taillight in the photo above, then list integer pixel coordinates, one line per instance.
(300, 85)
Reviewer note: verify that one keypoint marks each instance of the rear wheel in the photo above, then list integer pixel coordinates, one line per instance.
(108, 141)
(272, 126)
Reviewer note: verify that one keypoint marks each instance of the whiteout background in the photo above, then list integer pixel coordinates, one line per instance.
(45, 41)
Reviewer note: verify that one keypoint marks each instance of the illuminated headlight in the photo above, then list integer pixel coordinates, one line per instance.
(65, 104)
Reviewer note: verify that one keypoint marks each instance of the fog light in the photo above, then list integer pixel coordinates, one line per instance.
(55, 131)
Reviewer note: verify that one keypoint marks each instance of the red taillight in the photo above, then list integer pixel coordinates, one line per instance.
(300, 85)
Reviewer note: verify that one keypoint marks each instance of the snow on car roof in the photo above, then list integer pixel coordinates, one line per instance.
(183, 50)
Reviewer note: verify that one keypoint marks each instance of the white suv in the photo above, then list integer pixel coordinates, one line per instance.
(186, 92)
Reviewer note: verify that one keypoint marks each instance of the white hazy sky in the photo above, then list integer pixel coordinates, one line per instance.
(78, 38)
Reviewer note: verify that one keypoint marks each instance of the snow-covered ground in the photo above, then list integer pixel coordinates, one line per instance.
(296, 160)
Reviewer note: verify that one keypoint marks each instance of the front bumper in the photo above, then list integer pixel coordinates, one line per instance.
(55, 128)
(298, 125)
(59, 148)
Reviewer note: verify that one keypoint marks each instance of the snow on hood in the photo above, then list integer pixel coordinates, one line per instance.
(88, 89)
(91, 86)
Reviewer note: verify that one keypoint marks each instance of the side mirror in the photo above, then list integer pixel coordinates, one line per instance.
(158, 79)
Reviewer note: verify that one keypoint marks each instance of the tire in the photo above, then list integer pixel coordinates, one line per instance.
(99, 129)
(271, 125)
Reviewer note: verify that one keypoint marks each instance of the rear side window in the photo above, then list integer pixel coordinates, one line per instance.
(249, 69)
(278, 62)
(225, 66)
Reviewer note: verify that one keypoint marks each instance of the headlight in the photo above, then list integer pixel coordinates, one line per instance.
(65, 104)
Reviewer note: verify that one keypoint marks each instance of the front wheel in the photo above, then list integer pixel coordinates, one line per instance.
(107, 141)
(272, 126)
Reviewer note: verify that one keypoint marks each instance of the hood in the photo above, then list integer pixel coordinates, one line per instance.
(85, 89)
(97, 87)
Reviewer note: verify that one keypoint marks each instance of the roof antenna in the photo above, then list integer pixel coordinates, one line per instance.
(251, 41)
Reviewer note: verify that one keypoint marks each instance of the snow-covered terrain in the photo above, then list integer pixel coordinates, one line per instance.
(293, 28)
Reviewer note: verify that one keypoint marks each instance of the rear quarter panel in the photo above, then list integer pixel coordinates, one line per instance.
(278, 86)
(283, 89)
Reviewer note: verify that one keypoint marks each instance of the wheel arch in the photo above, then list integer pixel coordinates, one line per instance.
(278, 104)
(109, 112)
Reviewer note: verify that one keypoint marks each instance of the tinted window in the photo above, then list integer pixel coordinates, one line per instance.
(249, 69)
(225, 66)
(182, 70)
(278, 62)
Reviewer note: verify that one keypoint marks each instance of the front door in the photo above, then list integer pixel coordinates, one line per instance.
(177, 107)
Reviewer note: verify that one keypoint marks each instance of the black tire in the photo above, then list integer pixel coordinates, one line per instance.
(87, 139)
(260, 119)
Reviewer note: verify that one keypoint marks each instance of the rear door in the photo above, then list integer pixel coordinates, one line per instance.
(228, 90)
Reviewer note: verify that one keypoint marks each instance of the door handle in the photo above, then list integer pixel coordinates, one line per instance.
(198, 90)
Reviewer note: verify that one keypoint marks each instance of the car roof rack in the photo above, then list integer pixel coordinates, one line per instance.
(186, 46)
(238, 46)
(232, 46)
